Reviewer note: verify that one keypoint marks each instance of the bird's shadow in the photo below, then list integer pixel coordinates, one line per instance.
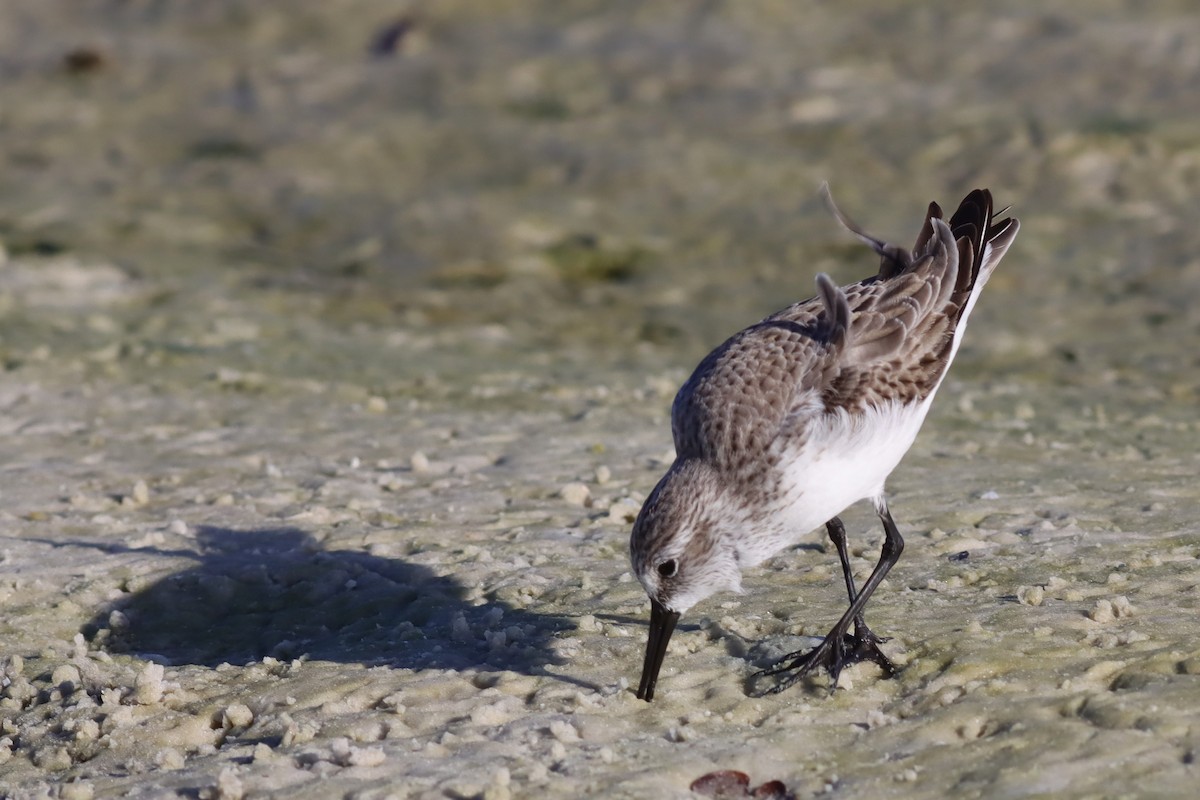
(255, 593)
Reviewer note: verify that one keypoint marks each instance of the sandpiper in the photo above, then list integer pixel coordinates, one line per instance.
(802, 414)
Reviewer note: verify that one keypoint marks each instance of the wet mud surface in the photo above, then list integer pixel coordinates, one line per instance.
(339, 345)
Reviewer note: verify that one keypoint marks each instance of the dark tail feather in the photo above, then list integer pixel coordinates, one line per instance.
(895, 259)
(981, 242)
(968, 224)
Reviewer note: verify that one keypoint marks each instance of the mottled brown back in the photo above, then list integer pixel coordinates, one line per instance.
(809, 360)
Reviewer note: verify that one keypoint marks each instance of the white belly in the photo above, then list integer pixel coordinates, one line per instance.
(845, 460)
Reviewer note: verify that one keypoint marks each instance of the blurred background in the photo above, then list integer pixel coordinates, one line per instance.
(297, 298)
(555, 187)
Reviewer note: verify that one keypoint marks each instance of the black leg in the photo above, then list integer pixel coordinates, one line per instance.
(861, 642)
(837, 535)
(839, 649)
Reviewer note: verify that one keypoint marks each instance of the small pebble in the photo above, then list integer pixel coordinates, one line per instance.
(169, 758)
(87, 730)
(1102, 611)
(623, 511)
(66, 673)
(52, 759)
(1031, 595)
(347, 755)
(229, 786)
(564, 731)
(576, 494)
(78, 790)
(148, 687)
(237, 715)
(460, 629)
(14, 666)
(1121, 606)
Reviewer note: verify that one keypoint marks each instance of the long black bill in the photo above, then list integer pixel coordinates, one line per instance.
(662, 625)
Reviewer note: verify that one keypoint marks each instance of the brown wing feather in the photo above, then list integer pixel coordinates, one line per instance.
(888, 337)
(901, 321)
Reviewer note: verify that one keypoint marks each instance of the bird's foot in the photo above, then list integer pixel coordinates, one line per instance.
(863, 645)
(836, 651)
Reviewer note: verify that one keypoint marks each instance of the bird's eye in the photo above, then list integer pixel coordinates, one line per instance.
(668, 568)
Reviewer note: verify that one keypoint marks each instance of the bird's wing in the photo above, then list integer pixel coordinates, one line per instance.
(902, 332)
(805, 361)
(733, 405)
(887, 337)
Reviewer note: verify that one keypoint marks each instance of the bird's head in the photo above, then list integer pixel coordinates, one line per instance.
(682, 552)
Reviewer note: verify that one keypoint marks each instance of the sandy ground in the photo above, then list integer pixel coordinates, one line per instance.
(338, 348)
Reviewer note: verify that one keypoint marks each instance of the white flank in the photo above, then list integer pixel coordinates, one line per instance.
(846, 457)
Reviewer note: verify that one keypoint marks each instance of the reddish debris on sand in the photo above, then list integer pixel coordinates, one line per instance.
(81, 60)
(723, 784)
(390, 38)
(729, 784)
(773, 790)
